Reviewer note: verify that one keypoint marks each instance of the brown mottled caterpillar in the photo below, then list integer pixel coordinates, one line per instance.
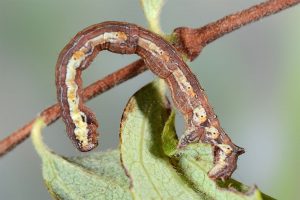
(163, 60)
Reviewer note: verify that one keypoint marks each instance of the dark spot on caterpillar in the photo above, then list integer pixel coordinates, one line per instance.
(83, 117)
(89, 120)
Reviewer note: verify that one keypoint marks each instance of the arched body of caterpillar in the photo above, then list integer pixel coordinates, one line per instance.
(163, 60)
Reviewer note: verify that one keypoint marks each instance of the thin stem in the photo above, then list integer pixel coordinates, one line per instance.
(200, 37)
(152, 9)
(191, 41)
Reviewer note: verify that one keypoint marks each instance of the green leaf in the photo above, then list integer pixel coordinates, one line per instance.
(152, 9)
(96, 176)
(152, 175)
(169, 137)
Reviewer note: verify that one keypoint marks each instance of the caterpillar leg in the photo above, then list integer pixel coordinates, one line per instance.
(208, 135)
(225, 155)
(190, 136)
(225, 161)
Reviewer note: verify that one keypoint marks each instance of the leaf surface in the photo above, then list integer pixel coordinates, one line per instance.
(96, 176)
(151, 173)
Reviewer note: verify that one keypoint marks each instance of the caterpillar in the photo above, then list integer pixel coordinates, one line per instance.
(163, 60)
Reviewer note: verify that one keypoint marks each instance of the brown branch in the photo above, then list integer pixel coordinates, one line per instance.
(199, 37)
(191, 41)
(52, 113)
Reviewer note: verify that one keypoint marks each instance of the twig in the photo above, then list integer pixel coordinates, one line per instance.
(191, 41)
(200, 37)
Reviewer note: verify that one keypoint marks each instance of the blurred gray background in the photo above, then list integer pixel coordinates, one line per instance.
(252, 78)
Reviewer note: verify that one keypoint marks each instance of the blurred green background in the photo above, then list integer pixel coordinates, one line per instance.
(252, 78)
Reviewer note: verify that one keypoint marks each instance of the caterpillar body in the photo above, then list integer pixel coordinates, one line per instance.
(163, 60)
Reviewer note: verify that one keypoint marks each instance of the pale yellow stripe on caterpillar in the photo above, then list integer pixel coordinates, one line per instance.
(183, 83)
(78, 117)
(80, 131)
(187, 89)
(107, 37)
(154, 49)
